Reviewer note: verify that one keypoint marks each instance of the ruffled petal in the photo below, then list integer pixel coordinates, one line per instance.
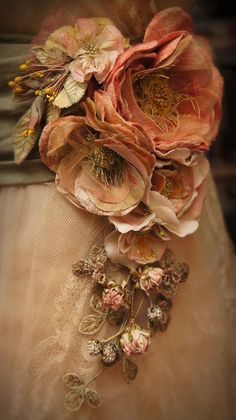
(167, 21)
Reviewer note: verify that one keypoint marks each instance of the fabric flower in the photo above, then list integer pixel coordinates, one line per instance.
(135, 340)
(136, 247)
(150, 278)
(113, 298)
(169, 86)
(102, 163)
(174, 202)
(60, 69)
(177, 194)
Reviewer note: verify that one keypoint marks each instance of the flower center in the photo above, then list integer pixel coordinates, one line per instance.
(168, 188)
(107, 165)
(159, 101)
(91, 50)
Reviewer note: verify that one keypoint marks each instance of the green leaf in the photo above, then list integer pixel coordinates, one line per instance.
(129, 370)
(90, 324)
(27, 130)
(71, 93)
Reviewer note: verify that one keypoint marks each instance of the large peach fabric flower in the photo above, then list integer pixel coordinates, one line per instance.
(168, 85)
(102, 163)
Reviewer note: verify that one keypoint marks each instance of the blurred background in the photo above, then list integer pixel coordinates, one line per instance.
(216, 20)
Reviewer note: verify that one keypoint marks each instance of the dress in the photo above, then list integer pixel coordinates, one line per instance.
(187, 373)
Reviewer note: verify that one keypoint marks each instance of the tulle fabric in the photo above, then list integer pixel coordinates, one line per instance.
(188, 371)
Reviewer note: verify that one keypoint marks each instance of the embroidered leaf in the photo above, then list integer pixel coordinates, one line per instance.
(49, 56)
(129, 369)
(53, 112)
(74, 399)
(93, 398)
(90, 324)
(96, 304)
(70, 94)
(72, 380)
(27, 129)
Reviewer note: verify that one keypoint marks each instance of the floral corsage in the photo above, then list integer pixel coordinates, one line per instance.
(124, 127)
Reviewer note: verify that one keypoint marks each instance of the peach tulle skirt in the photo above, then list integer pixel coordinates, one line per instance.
(188, 372)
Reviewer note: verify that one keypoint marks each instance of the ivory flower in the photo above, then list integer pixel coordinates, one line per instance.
(168, 85)
(150, 278)
(93, 46)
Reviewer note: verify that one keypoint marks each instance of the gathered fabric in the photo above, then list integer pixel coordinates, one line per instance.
(187, 373)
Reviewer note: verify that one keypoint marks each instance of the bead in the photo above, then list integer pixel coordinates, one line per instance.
(94, 347)
(155, 313)
(109, 353)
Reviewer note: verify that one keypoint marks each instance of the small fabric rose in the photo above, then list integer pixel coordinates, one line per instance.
(135, 340)
(113, 298)
(150, 278)
(99, 275)
(168, 86)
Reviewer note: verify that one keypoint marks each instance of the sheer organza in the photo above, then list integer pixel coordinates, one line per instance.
(187, 374)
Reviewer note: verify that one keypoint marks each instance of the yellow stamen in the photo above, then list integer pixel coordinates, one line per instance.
(17, 79)
(28, 132)
(159, 101)
(18, 89)
(23, 67)
(107, 165)
(11, 83)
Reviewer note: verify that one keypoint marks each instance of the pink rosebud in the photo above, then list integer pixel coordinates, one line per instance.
(113, 298)
(151, 278)
(135, 340)
(99, 275)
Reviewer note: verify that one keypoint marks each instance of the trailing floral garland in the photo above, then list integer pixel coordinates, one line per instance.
(125, 128)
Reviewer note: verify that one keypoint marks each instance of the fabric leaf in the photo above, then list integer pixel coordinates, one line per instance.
(93, 398)
(53, 112)
(27, 129)
(129, 369)
(70, 94)
(73, 380)
(90, 324)
(96, 303)
(49, 56)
